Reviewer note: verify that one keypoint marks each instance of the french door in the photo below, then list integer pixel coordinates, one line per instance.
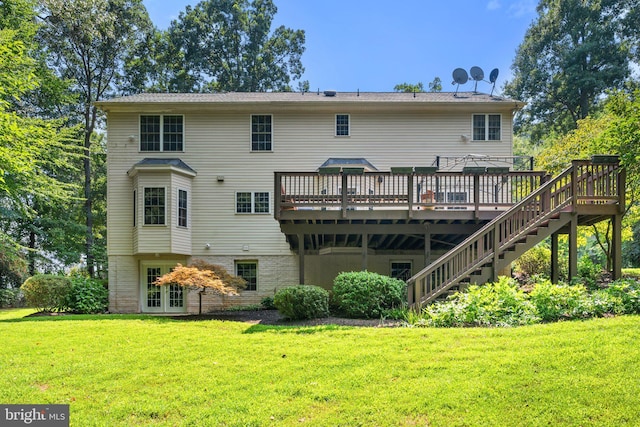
(160, 299)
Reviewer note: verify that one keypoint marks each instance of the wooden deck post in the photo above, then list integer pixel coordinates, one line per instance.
(427, 246)
(555, 272)
(573, 246)
(616, 250)
(365, 251)
(301, 259)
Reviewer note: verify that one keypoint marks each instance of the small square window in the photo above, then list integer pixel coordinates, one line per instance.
(401, 270)
(487, 127)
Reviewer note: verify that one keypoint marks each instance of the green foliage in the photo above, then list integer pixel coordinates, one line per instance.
(221, 45)
(87, 295)
(494, 304)
(589, 272)
(47, 292)
(267, 303)
(302, 302)
(561, 70)
(10, 297)
(536, 261)
(410, 87)
(366, 294)
(503, 304)
(556, 302)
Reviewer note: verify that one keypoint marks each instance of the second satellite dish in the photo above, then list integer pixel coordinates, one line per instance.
(476, 74)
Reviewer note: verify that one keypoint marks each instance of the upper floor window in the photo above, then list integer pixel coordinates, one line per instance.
(252, 202)
(261, 132)
(161, 133)
(342, 125)
(182, 208)
(486, 127)
(154, 206)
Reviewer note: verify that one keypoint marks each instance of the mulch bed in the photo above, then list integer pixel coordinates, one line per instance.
(273, 317)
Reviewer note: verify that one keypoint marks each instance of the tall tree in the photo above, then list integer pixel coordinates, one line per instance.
(572, 53)
(228, 45)
(87, 41)
(35, 151)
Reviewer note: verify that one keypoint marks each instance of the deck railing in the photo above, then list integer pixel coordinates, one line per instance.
(403, 188)
(583, 183)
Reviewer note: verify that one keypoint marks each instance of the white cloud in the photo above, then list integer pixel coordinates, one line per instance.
(522, 7)
(494, 5)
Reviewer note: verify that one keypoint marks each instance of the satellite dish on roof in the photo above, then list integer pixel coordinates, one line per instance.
(476, 74)
(492, 78)
(460, 77)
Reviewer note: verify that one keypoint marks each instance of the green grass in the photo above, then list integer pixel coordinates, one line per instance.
(138, 370)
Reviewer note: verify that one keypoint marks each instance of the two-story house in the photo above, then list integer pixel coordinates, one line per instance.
(289, 188)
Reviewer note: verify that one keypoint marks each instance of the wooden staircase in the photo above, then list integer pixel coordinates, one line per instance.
(592, 190)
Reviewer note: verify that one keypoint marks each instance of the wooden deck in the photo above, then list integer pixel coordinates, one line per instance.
(422, 210)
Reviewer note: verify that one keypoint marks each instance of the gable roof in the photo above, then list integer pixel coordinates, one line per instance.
(308, 99)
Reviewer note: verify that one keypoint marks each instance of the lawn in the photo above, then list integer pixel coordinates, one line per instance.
(140, 370)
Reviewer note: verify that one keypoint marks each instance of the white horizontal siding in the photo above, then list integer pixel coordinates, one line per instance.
(218, 144)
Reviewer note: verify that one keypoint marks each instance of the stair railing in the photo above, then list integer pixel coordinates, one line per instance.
(486, 245)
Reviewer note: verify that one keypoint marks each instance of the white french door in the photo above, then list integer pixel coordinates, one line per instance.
(160, 299)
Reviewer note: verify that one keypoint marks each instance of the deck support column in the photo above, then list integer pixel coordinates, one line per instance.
(616, 250)
(365, 251)
(573, 247)
(427, 246)
(301, 259)
(554, 258)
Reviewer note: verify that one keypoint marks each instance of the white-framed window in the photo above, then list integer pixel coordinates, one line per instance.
(252, 202)
(161, 132)
(155, 206)
(487, 127)
(261, 132)
(342, 125)
(401, 270)
(248, 270)
(183, 208)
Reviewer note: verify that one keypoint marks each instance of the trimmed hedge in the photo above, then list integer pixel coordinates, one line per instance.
(302, 302)
(366, 294)
(47, 292)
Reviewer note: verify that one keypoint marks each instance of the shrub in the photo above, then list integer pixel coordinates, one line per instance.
(302, 302)
(627, 294)
(47, 292)
(589, 272)
(267, 303)
(555, 302)
(536, 261)
(366, 294)
(494, 304)
(11, 298)
(87, 295)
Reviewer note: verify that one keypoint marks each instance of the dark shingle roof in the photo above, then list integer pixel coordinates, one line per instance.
(160, 163)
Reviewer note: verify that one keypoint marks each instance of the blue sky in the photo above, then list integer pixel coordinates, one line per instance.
(372, 45)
